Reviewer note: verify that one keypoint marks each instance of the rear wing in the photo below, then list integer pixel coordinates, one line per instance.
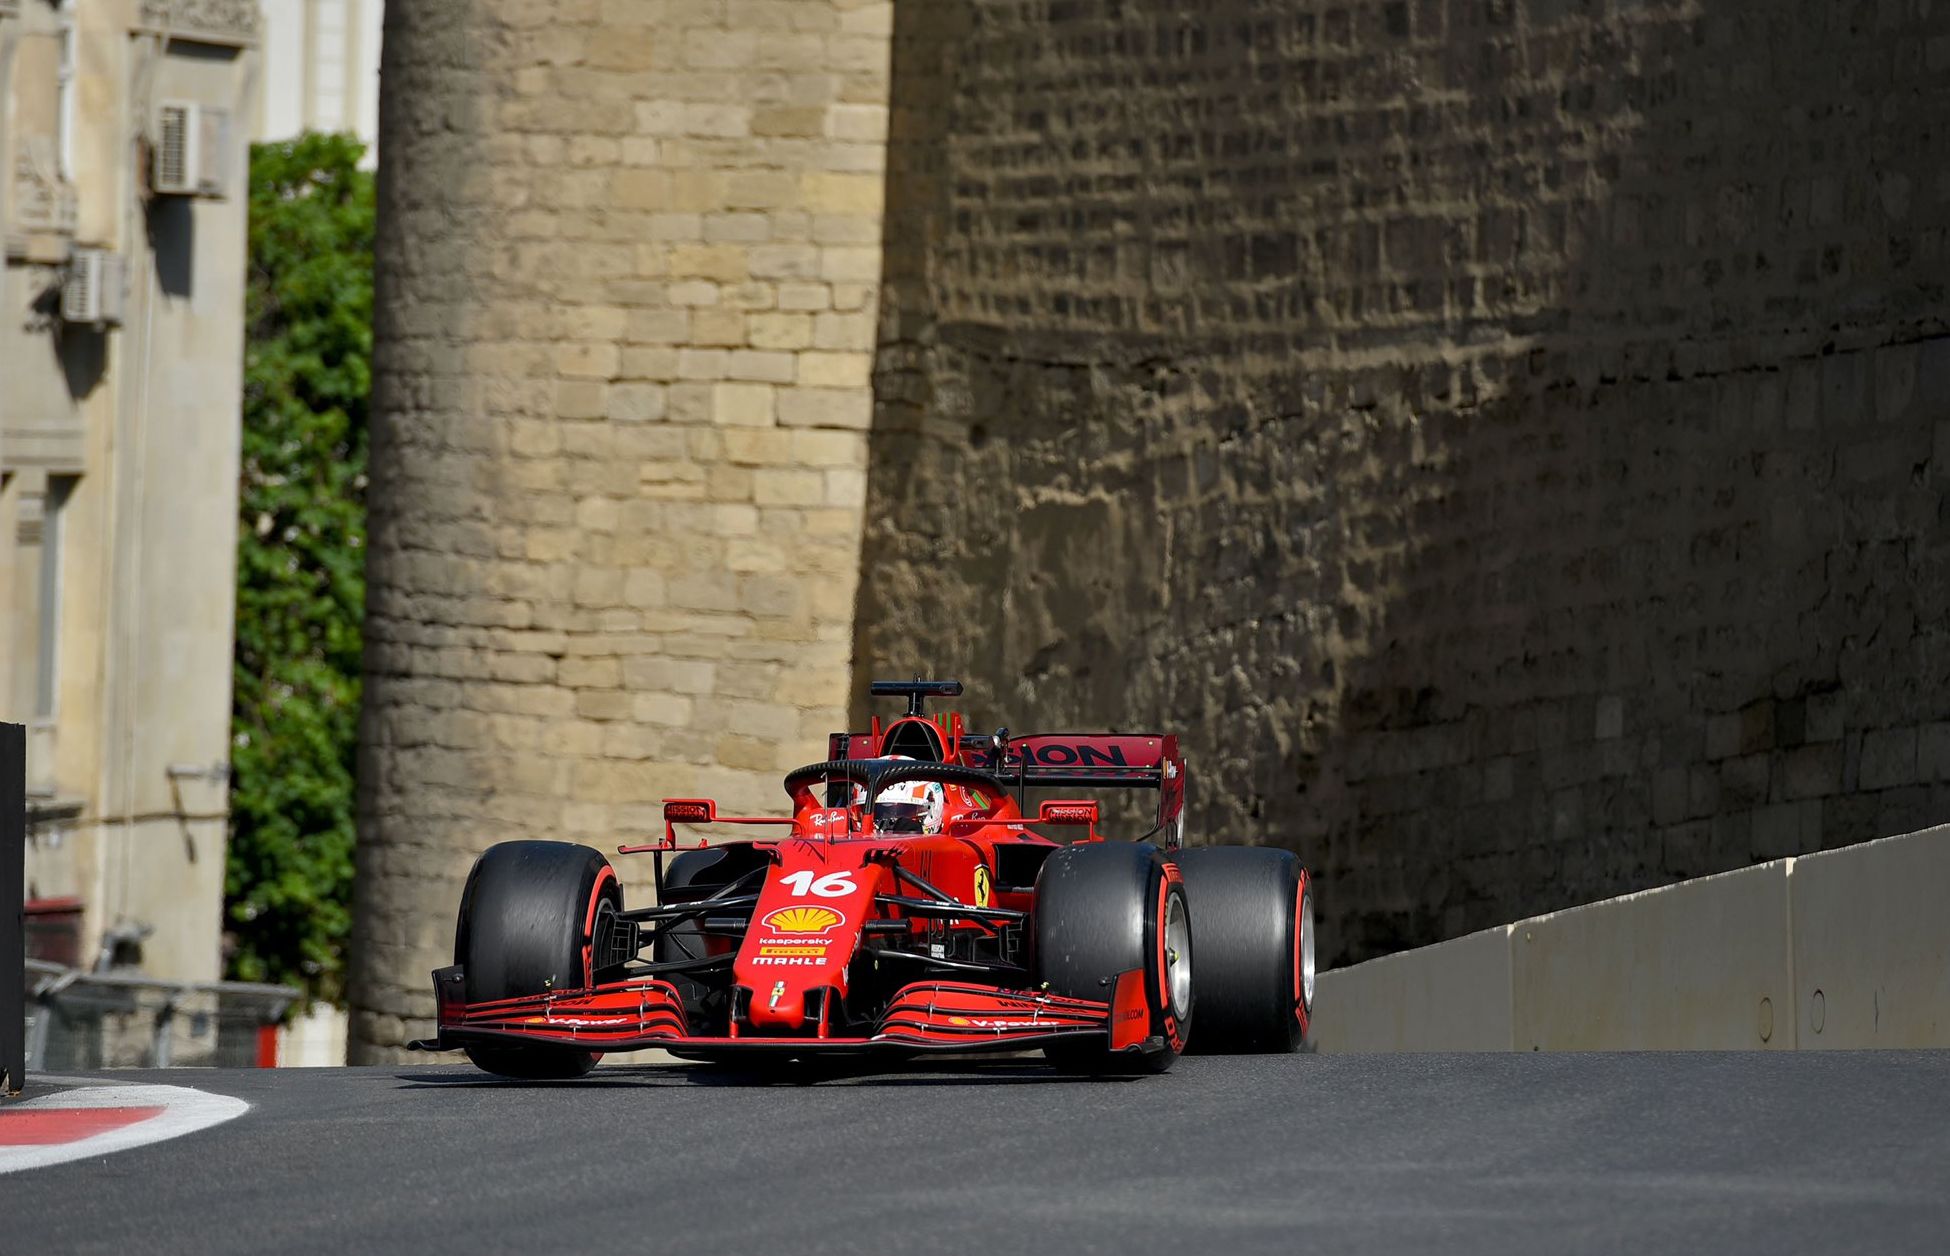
(1069, 760)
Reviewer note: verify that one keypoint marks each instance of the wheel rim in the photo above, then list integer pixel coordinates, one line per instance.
(1178, 955)
(1307, 949)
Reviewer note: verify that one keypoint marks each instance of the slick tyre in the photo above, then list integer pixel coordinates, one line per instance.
(1252, 927)
(528, 918)
(1104, 909)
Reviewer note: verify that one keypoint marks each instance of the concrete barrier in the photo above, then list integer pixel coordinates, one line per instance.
(1454, 996)
(314, 1040)
(1702, 965)
(1872, 944)
(1849, 948)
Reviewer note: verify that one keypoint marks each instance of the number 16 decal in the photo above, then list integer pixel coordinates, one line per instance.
(832, 885)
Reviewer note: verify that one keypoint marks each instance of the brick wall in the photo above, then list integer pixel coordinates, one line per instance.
(1505, 437)
(628, 269)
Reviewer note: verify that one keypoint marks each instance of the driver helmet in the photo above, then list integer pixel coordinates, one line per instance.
(909, 807)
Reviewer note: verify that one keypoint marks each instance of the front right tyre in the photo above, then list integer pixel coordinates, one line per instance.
(529, 919)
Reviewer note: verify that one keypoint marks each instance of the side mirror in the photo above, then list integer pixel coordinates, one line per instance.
(1068, 811)
(690, 810)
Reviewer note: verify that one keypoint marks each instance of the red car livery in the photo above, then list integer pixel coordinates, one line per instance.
(953, 922)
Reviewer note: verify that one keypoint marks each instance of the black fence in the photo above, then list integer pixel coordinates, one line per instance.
(13, 928)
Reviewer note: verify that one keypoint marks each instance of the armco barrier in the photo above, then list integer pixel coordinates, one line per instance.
(1850, 948)
(1872, 944)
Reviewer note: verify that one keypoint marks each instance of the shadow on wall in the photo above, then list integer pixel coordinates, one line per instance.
(172, 241)
(1501, 437)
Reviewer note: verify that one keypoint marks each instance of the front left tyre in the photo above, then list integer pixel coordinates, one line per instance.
(529, 919)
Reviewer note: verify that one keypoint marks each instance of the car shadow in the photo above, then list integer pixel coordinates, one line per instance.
(789, 1075)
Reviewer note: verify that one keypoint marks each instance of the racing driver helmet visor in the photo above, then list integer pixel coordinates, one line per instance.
(900, 816)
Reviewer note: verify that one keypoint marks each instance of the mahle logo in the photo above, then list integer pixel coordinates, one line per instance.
(803, 919)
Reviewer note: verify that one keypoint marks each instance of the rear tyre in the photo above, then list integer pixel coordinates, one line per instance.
(528, 917)
(1103, 909)
(1253, 931)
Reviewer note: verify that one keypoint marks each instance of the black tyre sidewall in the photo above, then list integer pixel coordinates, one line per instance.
(1245, 934)
(1100, 908)
(524, 929)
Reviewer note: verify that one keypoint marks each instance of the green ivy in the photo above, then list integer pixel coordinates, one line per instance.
(300, 563)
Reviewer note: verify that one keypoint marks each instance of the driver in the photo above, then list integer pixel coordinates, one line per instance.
(909, 807)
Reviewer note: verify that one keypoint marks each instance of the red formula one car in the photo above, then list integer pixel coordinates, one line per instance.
(909, 905)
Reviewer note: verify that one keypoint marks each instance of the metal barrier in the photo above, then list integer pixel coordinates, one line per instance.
(97, 1020)
(13, 890)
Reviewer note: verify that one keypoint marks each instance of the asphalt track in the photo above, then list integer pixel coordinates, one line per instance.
(1666, 1153)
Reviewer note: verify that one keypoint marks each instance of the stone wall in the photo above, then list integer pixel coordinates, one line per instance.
(1506, 438)
(628, 267)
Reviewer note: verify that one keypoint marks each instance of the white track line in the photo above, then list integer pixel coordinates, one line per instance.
(184, 1111)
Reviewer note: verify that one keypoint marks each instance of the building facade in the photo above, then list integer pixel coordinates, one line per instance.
(321, 69)
(122, 207)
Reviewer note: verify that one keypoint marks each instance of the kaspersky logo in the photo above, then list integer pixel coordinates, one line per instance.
(802, 920)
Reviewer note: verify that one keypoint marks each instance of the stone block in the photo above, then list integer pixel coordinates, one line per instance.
(587, 361)
(835, 192)
(789, 487)
(763, 366)
(859, 123)
(745, 405)
(806, 297)
(779, 331)
(786, 262)
(834, 331)
(790, 121)
(720, 49)
(1744, 780)
(1889, 758)
(725, 327)
(703, 363)
(826, 407)
(847, 264)
(637, 403)
(720, 263)
(1811, 771)
(835, 370)
(829, 449)
(761, 189)
(743, 228)
(1933, 752)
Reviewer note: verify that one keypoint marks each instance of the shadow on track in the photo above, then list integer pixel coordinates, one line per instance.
(789, 1074)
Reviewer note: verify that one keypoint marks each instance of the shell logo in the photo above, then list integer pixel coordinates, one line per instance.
(803, 919)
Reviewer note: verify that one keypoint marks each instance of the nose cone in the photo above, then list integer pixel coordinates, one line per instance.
(805, 928)
(780, 1007)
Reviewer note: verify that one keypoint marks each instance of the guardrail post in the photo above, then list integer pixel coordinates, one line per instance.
(13, 922)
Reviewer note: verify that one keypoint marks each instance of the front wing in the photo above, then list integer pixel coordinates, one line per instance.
(924, 1016)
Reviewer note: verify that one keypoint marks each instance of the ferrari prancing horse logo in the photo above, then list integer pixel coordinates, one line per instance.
(982, 885)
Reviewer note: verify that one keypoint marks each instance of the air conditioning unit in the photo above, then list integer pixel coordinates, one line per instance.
(192, 150)
(92, 293)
